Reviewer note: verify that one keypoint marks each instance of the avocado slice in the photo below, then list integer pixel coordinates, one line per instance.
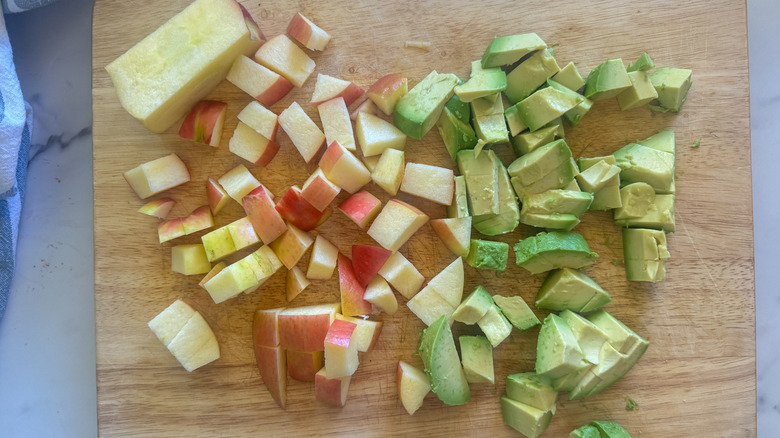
(672, 85)
(620, 335)
(558, 201)
(558, 178)
(514, 122)
(574, 115)
(526, 142)
(481, 172)
(662, 141)
(487, 254)
(640, 93)
(535, 165)
(589, 336)
(442, 364)
(419, 109)
(459, 108)
(508, 216)
(570, 77)
(586, 163)
(612, 366)
(597, 176)
(525, 419)
(530, 74)
(533, 390)
(460, 203)
(477, 359)
(495, 326)
(607, 197)
(474, 307)
(639, 163)
(586, 431)
(557, 352)
(643, 63)
(550, 221)
(610, 429)
(555, 249)
(644, 254)
(483, 82)
(568, 288)
(607, 80)
(635, 199)
(659, 215)
(517, 312)
(455, 134)
(544, 106)
(489, 121)
(507, 50)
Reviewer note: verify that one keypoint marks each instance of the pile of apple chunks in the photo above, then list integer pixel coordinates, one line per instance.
(321, 343)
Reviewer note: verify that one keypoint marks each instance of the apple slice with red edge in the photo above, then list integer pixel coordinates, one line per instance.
(362, 208)
(303, 132)
(298, 211)
(331, 391)
(203, 124)
(433, 183)
(283, 56)
(352, 302)
(158, 175)
(367, 260)
(455, 233)
(413, 385)
(336, 123)
(381, 297)
(158, 208)
(200, 219)
(272, 364)
(307, 33)
(402, 275)
(261, 119)
(216, 269)
(265, 327)
(304, 328)
(329, 87)
(291, 245)
(296, 283)
(343, 168)
(366, 332)
(341, 353)
(216, 195)
(319, 190)
(387, 91)
(367, 106)
(251, 146)
(258, 81)
(261, 211)
(303, 365)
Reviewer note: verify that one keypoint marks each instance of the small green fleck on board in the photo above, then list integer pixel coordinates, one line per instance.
(631, 404)
(617, 262)
(696, 144)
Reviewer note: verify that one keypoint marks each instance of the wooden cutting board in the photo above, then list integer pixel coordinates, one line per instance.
(698, 376)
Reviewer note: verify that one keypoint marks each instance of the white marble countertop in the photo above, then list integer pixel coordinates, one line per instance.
(47, 337)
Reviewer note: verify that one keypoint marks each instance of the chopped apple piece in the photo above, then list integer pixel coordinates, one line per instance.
(305, 328)
(294, 208)
(341, 353)
(296, 283)
(343, 168)
(195, 344)
(381, 297)
(352, 302)
(251, 146)
(158, 208)
(258, 81)
(434, 183)
(389, 171)
(387, 91)
(455, 233)
(396, 223)
(261, 211)
(307, 33)
(323, 259)
(272, 364)
(246, 274)
(158, 85)
(238, 182)
(375, 135)
(303, 132)
(413, 385)
(281, 55)
(189, 259)
(214, 271)
(291, 246)
(157, 175)
(303, 365)
(319, 190)
(367, 106)
(371, 162)
(362, 208)
(168, 323)
(336, 123)
(366, 333)
(329, 87)
(402, 275)
(261, 119)
(198, 220)
(170, 229)
(449, 282)
(265, 327)
(429, 306)
(203, 124)
(216, 195)
(331, 391)
(367, 260)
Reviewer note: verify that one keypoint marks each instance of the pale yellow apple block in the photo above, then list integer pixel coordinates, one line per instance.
(189, 259)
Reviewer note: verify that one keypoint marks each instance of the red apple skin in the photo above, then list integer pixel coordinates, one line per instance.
(330, 390)
(362, 207)
(319, 193)
(303, 365)
(385, 89)
(199, 124)
(340, 333)
(298, 211)
(260, 209)
(350, 94)
(255, 34)
(331, 156)
(352, 302)
(275, 92)
(158, 208)
(367, 260)
(303, 332)
(271, 148)
(272, 364)
(198, 220)
(216, 195)
(299, 29)
(265, 327)
(171, 229)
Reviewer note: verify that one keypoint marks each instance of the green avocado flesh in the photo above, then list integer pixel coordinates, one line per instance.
(568, 288)
(481, 172)
(554, 249)
(508, 216)
(487, 254)
(507, 50)
(644, 254)
(529, 75)
(477, 359)
(455, 134)
(525, 419)
(531, 389)
(442, 364)
(639, 163)
(517, 312)
(419, 109)
(607, 80)
(672, 85)
(526, 142)
(474, 307)
(557, 352)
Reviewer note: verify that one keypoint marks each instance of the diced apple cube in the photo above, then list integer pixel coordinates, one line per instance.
(303, 132)
(303, 365)
(281, 55)
(307, 33)
(261, 211)
(272, 364)
(158, 208)
(261, 119)
(214, 271)
(265, 327)
(336, 122)
(258, 81)
(323, 259)
(434, 183)
(168, 323)
(387, 91)
(329, 87)
(189, 259)
(455, 233)
(296, 283)
(291, 246)
(389, 171)
(157, 175)
(375, 135)
(402, 275)
(362, 208)
(294, 208)
(352, 302)
(367, 106)
(367, 260)
(305, 328)
(366, 332)
(238, 182)
(251, 146)
(396, 223)
(341, 354)
(195, 345)
(216, 195)
(319, 190)
(203, 124)
(343, 168)
(429, 306)
(331, 391)
(379, 294)
(413, 385)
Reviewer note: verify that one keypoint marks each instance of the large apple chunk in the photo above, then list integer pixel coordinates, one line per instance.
(261, 211)
(281, 55)
(189, 259)
(413, 385)
(455, 233)
(352, 291)
(343, 168)
(375, 135)
(251, 146)
(157, 175)
(238, 182)
(294, 208)
(366, 332)
(203, 123)
(291, 246)
(362, 208)
(341, 353)
(261, 119)
(159, 79)
(428, 305)
(402, 275)
(396, 223)
(305, 328)
(331, 391)
(303, 132)
(434, 183)
(193, 343)
(449, 282)
(258, 81)
(168, 323)
(387, 91)
(329, 87)
(336, 122)
(319, 190)
(307, 33)
(367, 260)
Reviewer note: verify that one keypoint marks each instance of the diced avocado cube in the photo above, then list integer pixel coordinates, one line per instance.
(557, 351)
(483, 82)
(533, 390)
(662, 141)
(517, 312)
(535, 165)
(455, 134)
(570, 381)
(460, 204)
(419, 109)
(574, 115)
(613, 365)
(474, 307)
(572, 186)
(529, 75)
(567, 288)
(514, 122)
(570, 77)
(635, 200)
(586, 431)
(525, 419)
(461, 110)
(586, 163)
(508, 216)
(507, 50)
(659, 215)
(550, 221)
(620, 335)
(495, 326)
(672, 85)
(477, 359)
(643, 63)
(560, 132)
(608, 196)
(610, 429)
(597, 176)
(551, 250)
(544, 106)
(589, 336)
(640, 93)
(639, 163)
(607, 80)
(481, 174)
(558, 201)
(487, 254)
(558, 178)
(442, 364)
(644, 254)
(528, 141)
(489, 121)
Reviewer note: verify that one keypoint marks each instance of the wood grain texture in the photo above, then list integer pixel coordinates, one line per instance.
(698, 376)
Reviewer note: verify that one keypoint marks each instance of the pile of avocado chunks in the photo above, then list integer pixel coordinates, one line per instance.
(518, 94)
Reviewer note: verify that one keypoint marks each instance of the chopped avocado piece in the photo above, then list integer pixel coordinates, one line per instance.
(507, 50)
(639, 163)
(477, 359)
(508, 216)
(442, 364)
(555, 249)
(529, 141)
(487, 254)
(483, 82)
(575, 114)
(556, 179)
(644, 254)
(517, 312)
(459, 108)
(525, 419)
(532, 389)
(489, 121)
(635, 201)
(535, 165)
(558, 201)
(544, 106)
(643, 63)
(659, 215)
(481, 174)
(620, 335)
(567, 288)
(597, 176)
(586, 163)
(460, 204)
(613, 365)
(515, 123)
(570, 381)
(570, 77)
(608, 196)
(589, 336)
(610, 429)
(495, 326)
(572, 185)
(551, 221)
(455, 134)
(607, 80)
(586, 431)
(560, 132)
(529, 75)
(631, 404)
(640, 93)
(419, 109)
(557, 351)
(662, 141)
(672, 85)
(474, 307)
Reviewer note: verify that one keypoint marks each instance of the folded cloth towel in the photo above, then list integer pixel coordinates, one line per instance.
(15, 133)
